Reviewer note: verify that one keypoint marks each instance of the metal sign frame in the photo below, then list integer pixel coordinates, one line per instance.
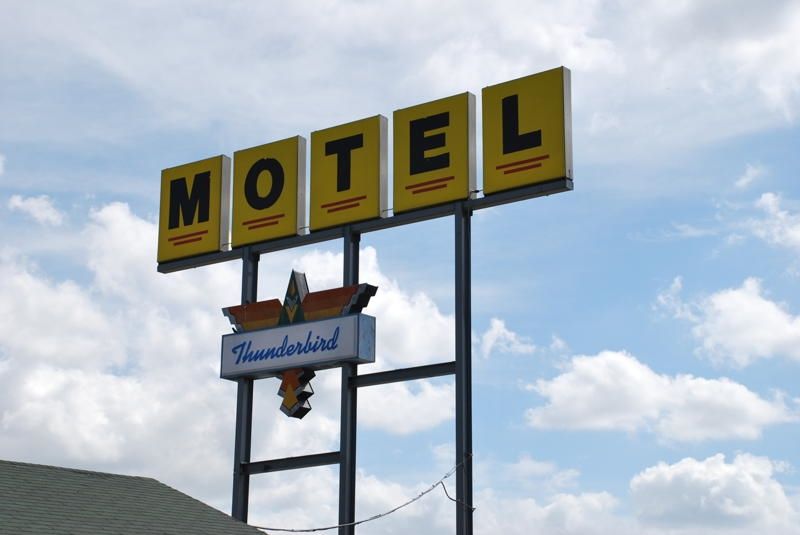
(461, 367)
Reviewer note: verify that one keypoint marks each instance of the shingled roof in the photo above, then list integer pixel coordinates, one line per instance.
(49, 500)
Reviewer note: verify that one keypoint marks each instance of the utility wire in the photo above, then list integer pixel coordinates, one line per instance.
(459, 502)
(379, 515)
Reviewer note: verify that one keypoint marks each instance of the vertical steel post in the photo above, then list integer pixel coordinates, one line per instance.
(463, 276)
(244, 402)
(347, 447)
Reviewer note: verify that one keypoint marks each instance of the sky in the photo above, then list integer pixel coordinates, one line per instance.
(636, 342)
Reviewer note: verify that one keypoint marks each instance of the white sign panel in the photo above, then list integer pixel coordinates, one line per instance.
(313, 344)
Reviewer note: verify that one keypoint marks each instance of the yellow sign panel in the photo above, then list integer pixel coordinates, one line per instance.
(434, 152)
(269, 183)
(348, 173)
(195, 209)
(527, 135)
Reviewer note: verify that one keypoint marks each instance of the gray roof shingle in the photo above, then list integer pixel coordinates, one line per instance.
(43, 500)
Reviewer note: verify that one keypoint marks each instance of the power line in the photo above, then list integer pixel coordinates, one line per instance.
(379, 515)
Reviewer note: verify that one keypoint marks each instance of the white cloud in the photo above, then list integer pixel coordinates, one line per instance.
(741, 325)
(676, 231)
(310, 505)
(499, 338)
(670, 301)
(740, 497)
(525, 475)
(689, 497)
(527, 467)
(40, 208)
(654, 77)
(751, 174)
(120, 373)
(142, 396)
(557, 345)
(313, 496)
(403, 408)
(778, 227)
(53, 323)
(306, 499)
(2, 164)
(444, 454)
(738, 326)
(429, 514)
(767, 60)
(116, 378)
(615, 391)
(568, 514)
(685, 230)
(532, 474)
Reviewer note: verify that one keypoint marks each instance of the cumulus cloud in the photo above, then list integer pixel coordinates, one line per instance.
(767, 61)
(120, 372)
(685, 230)
(689, 497)
(40, 208)
(585, 513)
(778, 226)
(309, 500)
(499, 338)
(737, 326)
(742, 496)
(636, 70)
(615, 391)
(527, 475)
(94, 377)
(403, 408)
(557, 345)
(62, 319)
(530, 474)
(670, 301)
(751, 174)
(308, 505)
(527, 466)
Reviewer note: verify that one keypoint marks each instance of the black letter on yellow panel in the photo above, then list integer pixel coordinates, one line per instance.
(342, 148)
(513, 141)
(275, 169)
(183, 205)
(419, 143)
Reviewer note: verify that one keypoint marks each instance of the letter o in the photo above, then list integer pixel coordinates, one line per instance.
(275, 170)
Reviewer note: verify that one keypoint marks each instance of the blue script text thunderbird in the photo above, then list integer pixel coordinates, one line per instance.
(245, 353)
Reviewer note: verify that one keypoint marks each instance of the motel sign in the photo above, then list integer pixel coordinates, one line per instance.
(526, 140)
(212, 211)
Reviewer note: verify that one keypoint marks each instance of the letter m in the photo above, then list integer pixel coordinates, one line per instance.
(183, 204)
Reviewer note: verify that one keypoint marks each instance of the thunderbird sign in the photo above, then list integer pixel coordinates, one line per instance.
(307, 332)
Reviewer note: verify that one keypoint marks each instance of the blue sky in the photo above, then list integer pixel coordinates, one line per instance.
(635, 340)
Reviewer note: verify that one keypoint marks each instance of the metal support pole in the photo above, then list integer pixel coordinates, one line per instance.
(347, 447)
(463, 276)
(244, 403)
